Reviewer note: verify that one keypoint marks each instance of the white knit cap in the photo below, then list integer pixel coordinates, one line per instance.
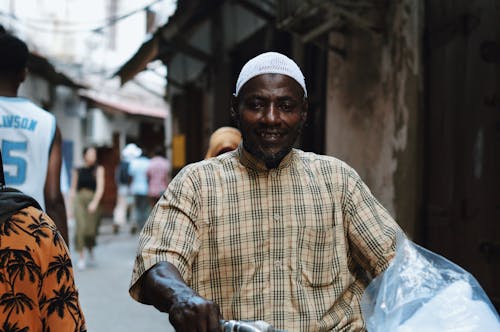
(270, 63)
(131, 151)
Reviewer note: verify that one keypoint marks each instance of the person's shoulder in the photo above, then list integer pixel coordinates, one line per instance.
(26, 105)
(159, 162)
(224, 160)
(18, 101)
(195, 167)
(211, 165)
(324, 164)
(320, 159)
(143, 161)
(328, 169)
(133, 163)
(40, 110)
(31, 218)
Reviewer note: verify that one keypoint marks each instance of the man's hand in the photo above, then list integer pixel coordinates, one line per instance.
(163, 287)
(195, 314)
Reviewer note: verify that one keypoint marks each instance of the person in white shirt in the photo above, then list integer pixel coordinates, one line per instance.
(30, 141)
(137, 170)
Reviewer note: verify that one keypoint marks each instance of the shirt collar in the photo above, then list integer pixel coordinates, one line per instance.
(249, 161)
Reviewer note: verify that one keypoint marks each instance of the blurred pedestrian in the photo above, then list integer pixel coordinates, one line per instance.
(139, 188)
(36, 270)
(123, 178)
(223, 140)
(158, 175)
(29, 137)
(87, 188)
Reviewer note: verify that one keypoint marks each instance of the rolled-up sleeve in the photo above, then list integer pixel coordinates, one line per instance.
(170, 234)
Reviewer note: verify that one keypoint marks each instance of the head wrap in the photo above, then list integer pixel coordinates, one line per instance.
(224, 138)
(270, 63)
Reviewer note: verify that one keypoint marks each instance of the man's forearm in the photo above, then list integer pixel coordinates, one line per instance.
(54, 201)
(57, 211)
(162, 286)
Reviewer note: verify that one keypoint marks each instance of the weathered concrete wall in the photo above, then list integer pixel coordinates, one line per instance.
(374, 108)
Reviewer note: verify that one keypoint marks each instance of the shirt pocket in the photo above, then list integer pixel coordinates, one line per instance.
(316, 260)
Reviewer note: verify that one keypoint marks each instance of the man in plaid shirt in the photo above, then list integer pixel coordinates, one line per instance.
(265, 232)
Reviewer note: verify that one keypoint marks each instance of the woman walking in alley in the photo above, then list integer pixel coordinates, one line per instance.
(87, 188)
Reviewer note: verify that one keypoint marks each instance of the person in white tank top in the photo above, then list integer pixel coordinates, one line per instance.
(29, 138)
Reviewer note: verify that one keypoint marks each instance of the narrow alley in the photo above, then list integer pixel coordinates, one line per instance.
(356, 124)
(104, 289)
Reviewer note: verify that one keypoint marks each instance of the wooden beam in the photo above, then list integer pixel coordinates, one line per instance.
(180, 45)
(255, 9)
(175, 83)
(304, 10)
(359, 21)
(320, 29)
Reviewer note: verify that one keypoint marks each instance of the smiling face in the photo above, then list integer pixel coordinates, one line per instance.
(270, 110)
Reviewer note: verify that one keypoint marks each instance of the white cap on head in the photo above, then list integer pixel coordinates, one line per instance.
(270, 63)
(131, 151)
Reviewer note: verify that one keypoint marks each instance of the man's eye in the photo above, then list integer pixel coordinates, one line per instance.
(287, 107)
(255, 105)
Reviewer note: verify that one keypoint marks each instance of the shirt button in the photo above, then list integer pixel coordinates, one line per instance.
(276, 217)
(278, 265)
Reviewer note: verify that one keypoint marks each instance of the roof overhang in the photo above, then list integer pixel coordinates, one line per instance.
(117, 104)
(139, 61)
(40, 66)
(171, 38)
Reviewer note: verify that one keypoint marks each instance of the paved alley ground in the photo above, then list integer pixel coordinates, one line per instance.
(104, 289)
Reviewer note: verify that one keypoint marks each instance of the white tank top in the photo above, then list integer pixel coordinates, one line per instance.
(26, 135)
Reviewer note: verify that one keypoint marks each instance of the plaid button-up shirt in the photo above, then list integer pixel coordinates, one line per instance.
(292, 246)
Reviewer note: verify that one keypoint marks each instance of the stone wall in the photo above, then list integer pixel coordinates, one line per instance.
(374, 120)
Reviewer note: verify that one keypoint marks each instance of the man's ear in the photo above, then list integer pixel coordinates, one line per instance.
(234, 110)
(305, 109)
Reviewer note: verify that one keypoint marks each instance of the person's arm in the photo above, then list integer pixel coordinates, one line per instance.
(99, 191)
(171, 235)
(54, 201)
(372, 231)
(164, 288)
(72, 191)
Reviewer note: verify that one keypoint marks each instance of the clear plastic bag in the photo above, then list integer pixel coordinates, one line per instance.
(423, 291)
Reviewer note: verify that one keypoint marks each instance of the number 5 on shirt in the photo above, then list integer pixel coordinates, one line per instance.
(11, 159)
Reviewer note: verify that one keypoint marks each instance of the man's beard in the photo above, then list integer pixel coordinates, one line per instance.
(272, 160)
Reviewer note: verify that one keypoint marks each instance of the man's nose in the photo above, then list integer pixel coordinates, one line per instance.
(272, 115)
